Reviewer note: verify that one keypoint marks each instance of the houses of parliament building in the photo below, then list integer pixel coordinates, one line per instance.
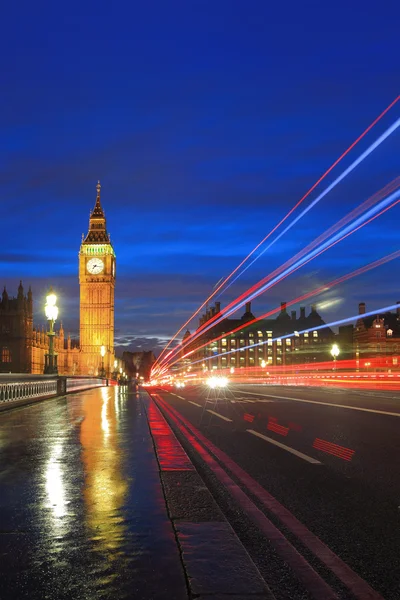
(23, 346)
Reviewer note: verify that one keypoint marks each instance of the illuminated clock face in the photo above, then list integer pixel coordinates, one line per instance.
(95, 266)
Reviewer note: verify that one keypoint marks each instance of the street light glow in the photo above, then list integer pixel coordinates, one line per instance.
(335, 351)
(50, 309)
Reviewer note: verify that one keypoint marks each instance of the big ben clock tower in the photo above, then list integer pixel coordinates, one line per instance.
(97, 283)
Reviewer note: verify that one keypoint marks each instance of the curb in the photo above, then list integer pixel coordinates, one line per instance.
(216, 563)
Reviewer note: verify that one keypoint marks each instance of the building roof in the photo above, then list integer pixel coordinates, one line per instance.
(390, 321)
(97, 233)
(283, 324)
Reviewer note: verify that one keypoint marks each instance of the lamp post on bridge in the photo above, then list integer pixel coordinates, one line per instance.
(102, 353)
(51, 312)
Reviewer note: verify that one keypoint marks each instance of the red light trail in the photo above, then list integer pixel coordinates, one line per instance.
(241, 299)
(337, 161)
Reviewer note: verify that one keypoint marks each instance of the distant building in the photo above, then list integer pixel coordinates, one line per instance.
(138, 364)
(22, 347)
(231, 350)
(16, 318)
(377, 336)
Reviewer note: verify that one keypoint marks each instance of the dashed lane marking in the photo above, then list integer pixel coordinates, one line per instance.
(181, 397)
(218, 415)
(369, 410)
(195, 403)
(309, 459)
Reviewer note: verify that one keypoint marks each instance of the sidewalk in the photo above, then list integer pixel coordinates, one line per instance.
(216, 564)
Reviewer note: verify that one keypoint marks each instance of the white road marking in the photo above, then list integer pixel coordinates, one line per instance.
(181, 397)
(195, 403)
(370, 410)
(218, 415)
(309, 459)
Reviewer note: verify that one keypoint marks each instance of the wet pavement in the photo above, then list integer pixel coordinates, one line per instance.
(82, 512)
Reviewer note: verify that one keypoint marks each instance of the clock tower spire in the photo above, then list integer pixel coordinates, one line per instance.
(97, 283)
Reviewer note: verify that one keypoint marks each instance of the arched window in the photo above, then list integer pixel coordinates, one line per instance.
(5, 355)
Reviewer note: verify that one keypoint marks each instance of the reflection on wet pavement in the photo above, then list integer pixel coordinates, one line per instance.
(82, 514)
(105, 488)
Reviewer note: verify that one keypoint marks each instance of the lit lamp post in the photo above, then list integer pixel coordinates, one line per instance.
(51, 312)
(335, 353)
(115, 373)
(103, 353)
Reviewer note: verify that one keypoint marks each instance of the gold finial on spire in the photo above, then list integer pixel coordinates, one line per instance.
(98, 187)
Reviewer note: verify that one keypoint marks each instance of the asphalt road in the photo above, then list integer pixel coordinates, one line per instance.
(330, 456)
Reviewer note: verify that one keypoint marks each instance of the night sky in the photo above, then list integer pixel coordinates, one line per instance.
(205, 122)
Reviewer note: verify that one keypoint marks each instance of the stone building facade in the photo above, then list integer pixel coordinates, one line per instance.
(377, 337)
(308, 347)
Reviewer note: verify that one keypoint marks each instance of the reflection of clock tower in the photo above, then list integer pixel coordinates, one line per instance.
(97, 282)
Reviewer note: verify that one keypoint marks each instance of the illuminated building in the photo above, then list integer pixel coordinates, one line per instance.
(265, 334)
(97, 283)
(16, 329)
(377, 336)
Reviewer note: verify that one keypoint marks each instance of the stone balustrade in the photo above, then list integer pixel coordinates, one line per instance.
(21, 389)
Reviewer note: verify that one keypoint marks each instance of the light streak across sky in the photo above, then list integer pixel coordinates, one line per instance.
(337, 161)
(330, 187)
(271, 280)
(319, 290)
(370, 213)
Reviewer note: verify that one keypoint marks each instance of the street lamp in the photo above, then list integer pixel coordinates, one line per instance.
(263, 363)
(115, 369)
(102, 353)
(335, 353)
(51, 312)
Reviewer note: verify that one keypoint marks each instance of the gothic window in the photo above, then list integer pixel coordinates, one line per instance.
(5, 355)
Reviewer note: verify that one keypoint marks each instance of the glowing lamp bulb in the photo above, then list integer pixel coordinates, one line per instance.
(51, 299)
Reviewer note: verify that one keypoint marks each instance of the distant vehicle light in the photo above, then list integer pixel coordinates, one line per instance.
(217, 382)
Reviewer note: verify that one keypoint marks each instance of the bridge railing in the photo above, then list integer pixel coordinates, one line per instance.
(18, 389)
(74, 385)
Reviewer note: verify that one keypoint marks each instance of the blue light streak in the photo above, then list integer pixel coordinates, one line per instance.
(321, 248)
(330, 187)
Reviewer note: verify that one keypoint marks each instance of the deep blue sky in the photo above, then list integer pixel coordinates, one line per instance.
(205, 122)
